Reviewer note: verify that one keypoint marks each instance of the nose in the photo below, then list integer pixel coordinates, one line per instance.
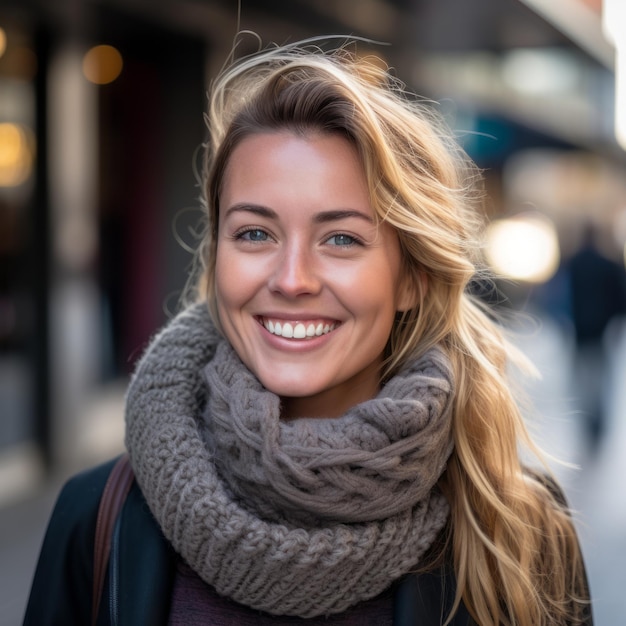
(294, 273)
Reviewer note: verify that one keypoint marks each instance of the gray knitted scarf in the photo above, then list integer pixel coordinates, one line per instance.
(304, 518)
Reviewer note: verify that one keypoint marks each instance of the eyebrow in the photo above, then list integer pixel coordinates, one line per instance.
(257, 209)
(320, 218)
(340, 214)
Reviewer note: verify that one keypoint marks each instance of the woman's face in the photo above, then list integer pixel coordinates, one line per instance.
(307, 285)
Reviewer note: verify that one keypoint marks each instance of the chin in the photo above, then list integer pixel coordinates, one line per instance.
(290, 386)
(291, 390)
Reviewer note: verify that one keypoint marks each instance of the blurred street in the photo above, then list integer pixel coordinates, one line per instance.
(597, 491)
(594, 482)
(102, 128)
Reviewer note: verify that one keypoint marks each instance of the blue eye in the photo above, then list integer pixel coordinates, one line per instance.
(342, 240)
(254, 234)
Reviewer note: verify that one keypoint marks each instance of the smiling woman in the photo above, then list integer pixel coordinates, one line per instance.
(327, 434)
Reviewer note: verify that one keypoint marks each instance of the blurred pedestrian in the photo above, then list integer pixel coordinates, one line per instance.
(597, 288)
(328, 435)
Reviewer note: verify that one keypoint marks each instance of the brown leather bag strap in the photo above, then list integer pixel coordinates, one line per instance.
(115, 491)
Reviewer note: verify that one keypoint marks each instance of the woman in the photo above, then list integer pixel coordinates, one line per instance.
(333, 438)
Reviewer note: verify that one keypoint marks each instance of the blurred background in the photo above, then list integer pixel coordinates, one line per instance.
(101, 121)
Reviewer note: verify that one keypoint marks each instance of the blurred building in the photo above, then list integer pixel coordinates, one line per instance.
(101, 105)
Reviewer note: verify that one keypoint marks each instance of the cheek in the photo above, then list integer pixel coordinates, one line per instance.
(228, 291)
(221, 280)
(228, 304)
(237, 283)
(374, 304)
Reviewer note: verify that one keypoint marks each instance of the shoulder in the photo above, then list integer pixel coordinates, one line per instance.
(61, 588)
(552, 488)
(73, 520)
(80, 496)
(75, 515)
(428, 596)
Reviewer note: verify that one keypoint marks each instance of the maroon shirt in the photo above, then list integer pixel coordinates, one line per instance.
(194, 603)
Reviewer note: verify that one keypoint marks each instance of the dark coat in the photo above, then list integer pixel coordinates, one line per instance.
(138, 588)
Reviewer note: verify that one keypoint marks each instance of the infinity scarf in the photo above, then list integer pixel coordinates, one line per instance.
(302, 518)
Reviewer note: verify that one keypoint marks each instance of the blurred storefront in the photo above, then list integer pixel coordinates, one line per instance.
(101, 105)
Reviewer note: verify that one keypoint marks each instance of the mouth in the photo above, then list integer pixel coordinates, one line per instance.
(301, 330)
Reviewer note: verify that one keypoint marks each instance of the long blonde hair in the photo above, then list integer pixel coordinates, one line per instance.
(513, 545)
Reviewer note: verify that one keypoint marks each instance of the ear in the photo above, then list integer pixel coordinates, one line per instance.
(411, 290)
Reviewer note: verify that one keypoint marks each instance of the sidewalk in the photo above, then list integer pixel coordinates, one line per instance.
(595, 484)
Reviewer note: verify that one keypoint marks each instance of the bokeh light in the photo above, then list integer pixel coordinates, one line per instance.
(102, 64)
(16, 154)
(523, 248)
(3, 41)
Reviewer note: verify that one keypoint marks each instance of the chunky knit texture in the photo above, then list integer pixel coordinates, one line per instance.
(304, 518)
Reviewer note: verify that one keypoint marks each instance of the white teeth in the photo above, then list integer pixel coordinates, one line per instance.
(300, 331)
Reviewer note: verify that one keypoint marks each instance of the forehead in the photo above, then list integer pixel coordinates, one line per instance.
(294, 147)
(295, 168)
